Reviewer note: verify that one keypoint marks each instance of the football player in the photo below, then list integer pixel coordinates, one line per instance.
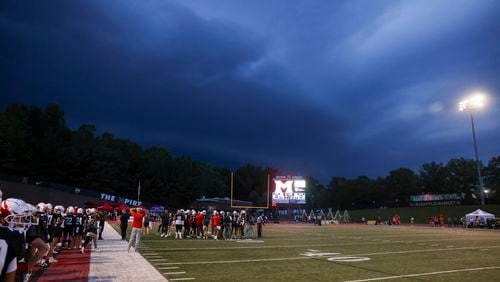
(79, 224)
(14, 219)
(68, 222)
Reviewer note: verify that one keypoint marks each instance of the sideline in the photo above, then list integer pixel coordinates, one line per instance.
(114, 263)
(426, 274)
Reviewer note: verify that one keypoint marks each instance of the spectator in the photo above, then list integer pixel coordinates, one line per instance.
(179, 222)
(251, 223)
(124, 223)
(135, 236)
(102, 219)
(260, 222)
(165, 222)
(147, 222)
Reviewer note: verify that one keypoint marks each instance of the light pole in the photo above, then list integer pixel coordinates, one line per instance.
(474, 102)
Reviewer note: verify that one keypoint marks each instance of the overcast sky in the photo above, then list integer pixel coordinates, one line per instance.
(321, 88)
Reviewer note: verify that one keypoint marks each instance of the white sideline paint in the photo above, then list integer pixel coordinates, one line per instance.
(103, 265)
(426, 274)
(299, 258)
(180, 279)
(307, 245)
(175, 273)
(234, 261)
(168, 267)
(424, 251)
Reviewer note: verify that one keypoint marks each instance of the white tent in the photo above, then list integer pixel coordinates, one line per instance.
(480, 214)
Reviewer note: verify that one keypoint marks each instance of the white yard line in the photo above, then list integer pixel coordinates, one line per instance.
(426, 274)
(180, 279)
(154, 260)
(234, 261)
(301, 258)
(424, 251)
(174, 273)
(168, 267)
(306, 245)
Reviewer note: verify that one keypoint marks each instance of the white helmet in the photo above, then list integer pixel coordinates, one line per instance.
(17, 213)
(193, 212)
(79, 211)
(49, 207)
(92, 210)
(59, 209)
(204, 212)
(41, 207)
(70, 209)
(215, 212)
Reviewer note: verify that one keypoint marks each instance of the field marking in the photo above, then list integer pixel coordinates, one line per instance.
(306, 245)
(342, 236)
(301, 258)
(154, 260)
(426, 274)
(168, 267)
(180, 279)
(174, 273)
(149, 254)
(423, 251)
(234, 261)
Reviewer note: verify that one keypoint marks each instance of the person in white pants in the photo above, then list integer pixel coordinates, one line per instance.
(135, 236)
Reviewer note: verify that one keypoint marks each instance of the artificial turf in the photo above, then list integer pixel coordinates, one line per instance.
(295, 252)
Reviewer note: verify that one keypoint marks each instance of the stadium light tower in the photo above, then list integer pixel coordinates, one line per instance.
(472, 103)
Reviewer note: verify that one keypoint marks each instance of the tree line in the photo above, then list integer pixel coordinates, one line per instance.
(37, 143)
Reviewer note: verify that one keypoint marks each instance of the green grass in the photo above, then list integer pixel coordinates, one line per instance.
(391, 250)
(421, 214)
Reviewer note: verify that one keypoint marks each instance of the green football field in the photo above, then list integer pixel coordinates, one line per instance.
(300, 252)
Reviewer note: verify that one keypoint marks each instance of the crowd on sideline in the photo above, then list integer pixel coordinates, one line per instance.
(34, 235)
(217, 225)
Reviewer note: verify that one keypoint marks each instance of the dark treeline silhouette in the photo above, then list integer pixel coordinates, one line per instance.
(38, 144)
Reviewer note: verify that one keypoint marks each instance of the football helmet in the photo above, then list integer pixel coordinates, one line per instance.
(49, 208)
(70, 209)
(41, 207)
(79, 211)
(59, 209)
(18, 214)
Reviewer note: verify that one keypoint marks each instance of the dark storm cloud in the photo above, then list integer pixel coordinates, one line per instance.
(161, 75)
(322, 88)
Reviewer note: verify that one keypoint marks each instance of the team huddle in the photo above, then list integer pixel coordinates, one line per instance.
(32, 235)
